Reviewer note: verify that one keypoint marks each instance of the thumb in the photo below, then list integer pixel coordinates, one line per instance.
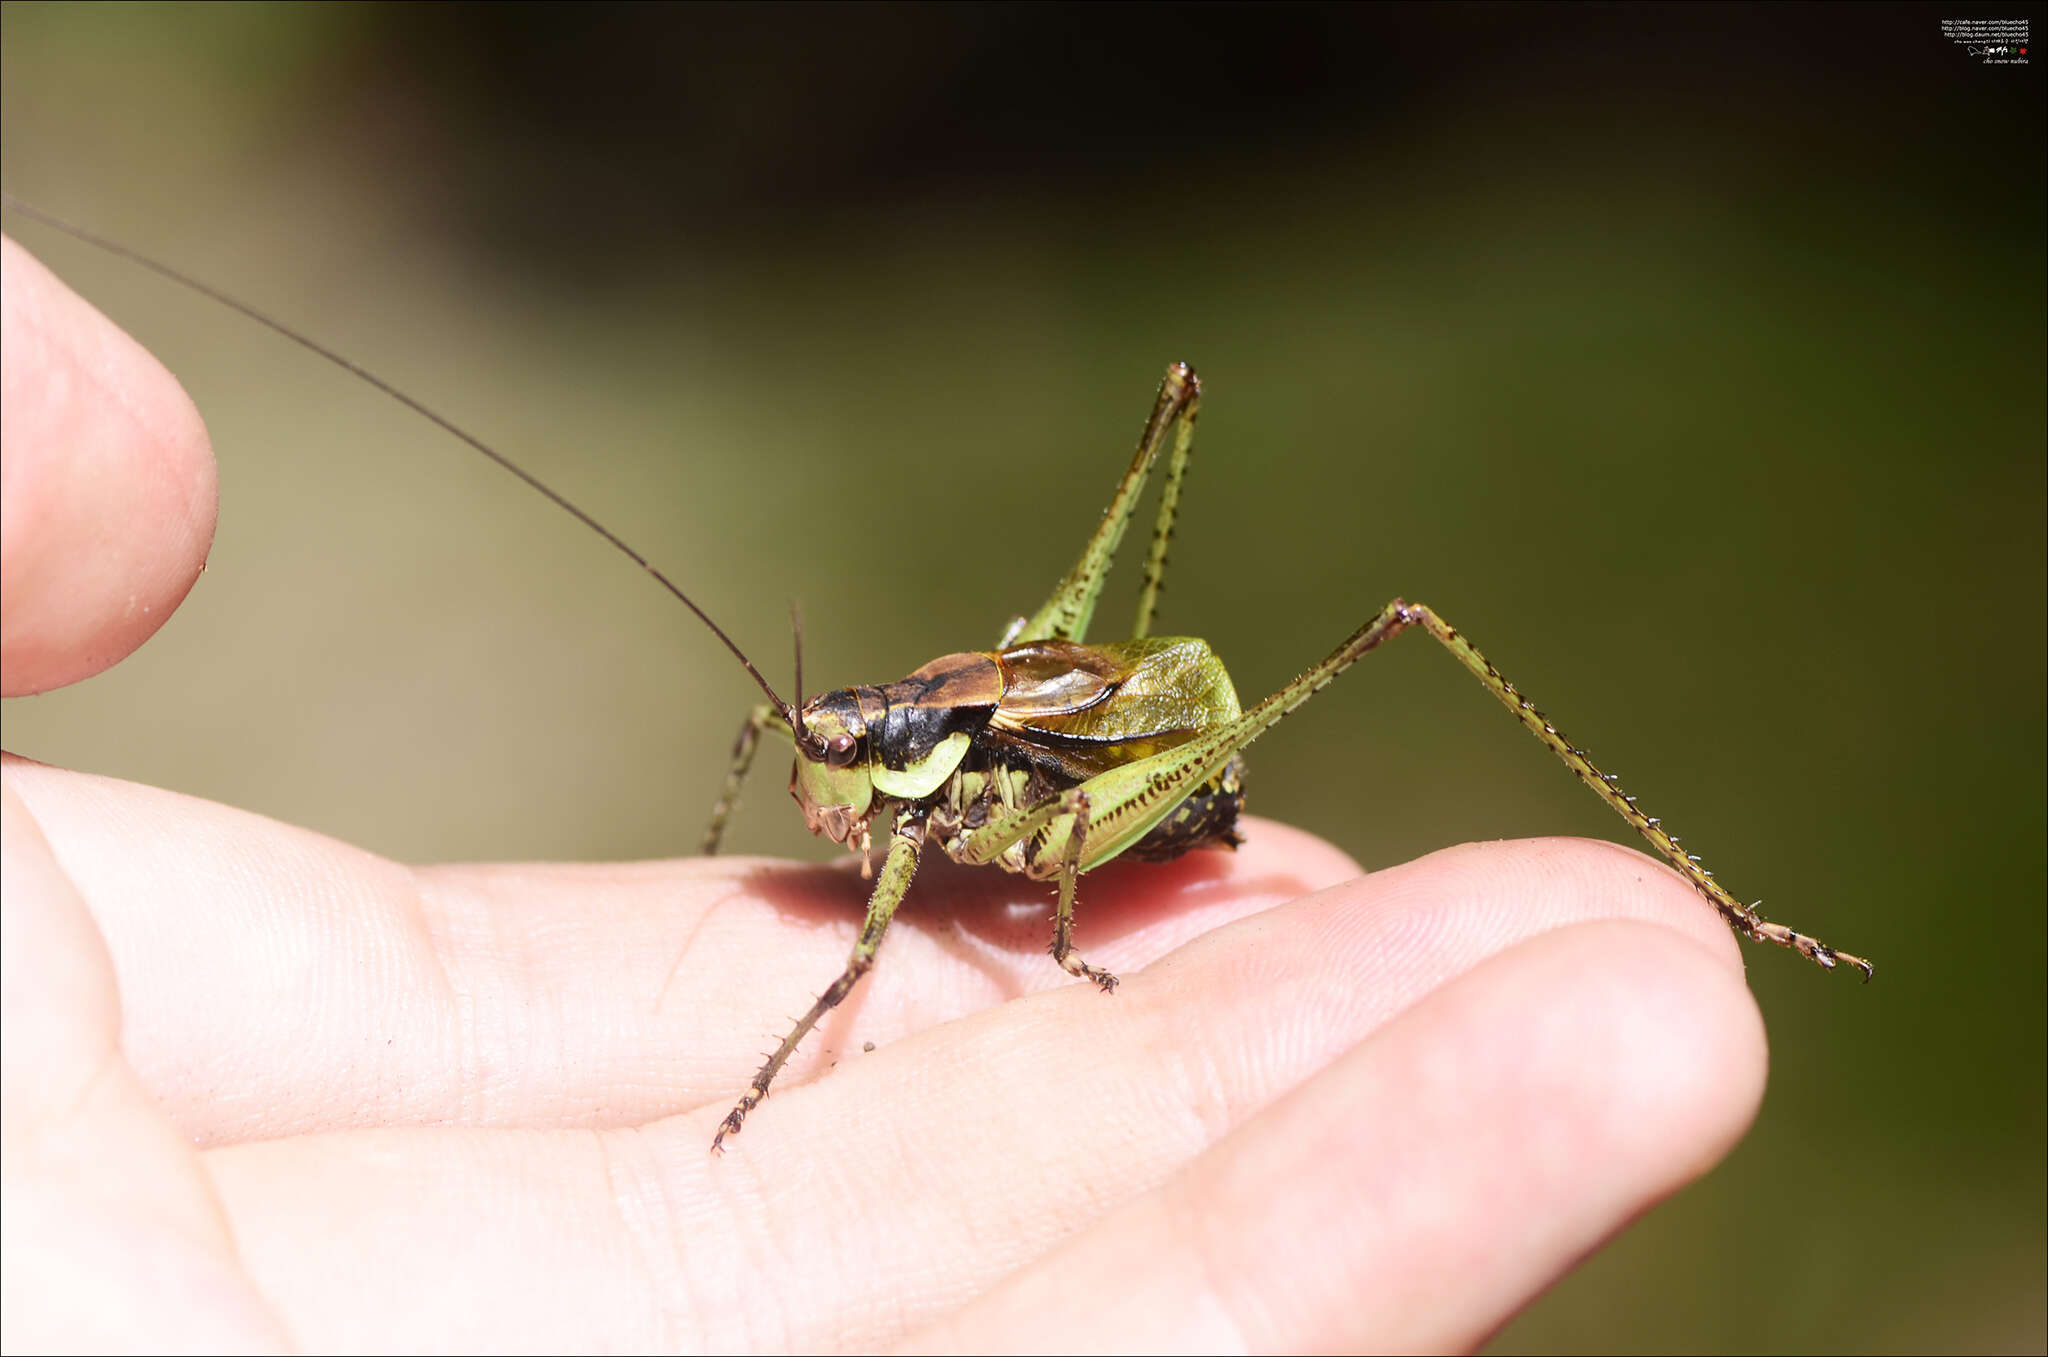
(107, 485)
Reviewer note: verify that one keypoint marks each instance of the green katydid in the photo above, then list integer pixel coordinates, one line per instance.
(1047, 755)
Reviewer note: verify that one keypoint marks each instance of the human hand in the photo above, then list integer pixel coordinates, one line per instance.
(263, 1089)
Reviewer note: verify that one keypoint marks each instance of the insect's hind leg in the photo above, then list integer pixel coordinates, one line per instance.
(890, 886)
(1154, 579)
(1399, 615)
(763, 717)
(1066, 615)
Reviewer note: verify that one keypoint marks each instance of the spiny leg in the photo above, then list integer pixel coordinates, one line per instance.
(1131, 799)
(1127, 802)
(980, 846)
(1169, 509)
(1065, 616)
(1061, 825)
(763, 717)
(1109, 812)
(1074, 802)
(1398, 616)
(890, 887)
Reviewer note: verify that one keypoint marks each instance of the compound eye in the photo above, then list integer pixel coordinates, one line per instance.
(839, 750)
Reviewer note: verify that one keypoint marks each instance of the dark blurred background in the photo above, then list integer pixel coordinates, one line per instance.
(1690, 359)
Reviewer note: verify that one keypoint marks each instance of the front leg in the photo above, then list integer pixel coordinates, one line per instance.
(763, 717)
(898, 868)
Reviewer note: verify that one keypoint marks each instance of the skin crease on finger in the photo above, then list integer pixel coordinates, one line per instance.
(100, 445)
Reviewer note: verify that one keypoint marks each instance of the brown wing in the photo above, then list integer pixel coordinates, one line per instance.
(1053, 678)
(969, 679)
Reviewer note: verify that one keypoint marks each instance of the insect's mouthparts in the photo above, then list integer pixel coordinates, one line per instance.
(833, 822)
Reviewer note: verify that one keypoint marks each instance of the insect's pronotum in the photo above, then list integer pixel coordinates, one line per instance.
(1048, 755)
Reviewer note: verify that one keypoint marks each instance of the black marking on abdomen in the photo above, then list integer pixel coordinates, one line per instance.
(1207, 819)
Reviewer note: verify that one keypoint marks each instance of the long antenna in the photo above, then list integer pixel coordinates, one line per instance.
(796, 632)
(34, 213)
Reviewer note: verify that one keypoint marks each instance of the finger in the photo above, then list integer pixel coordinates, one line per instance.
(929, 1171)
(1073, 1102)
(1417, 1193)
(280, 982)
(114, 1238)
(107, 485)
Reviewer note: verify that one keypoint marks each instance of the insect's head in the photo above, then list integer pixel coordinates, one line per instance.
(832, 779)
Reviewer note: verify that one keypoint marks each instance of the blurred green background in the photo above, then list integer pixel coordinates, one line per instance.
(1689, 359)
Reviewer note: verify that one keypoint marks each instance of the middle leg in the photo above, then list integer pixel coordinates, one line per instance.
(1075, 803)
(1055, 831)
